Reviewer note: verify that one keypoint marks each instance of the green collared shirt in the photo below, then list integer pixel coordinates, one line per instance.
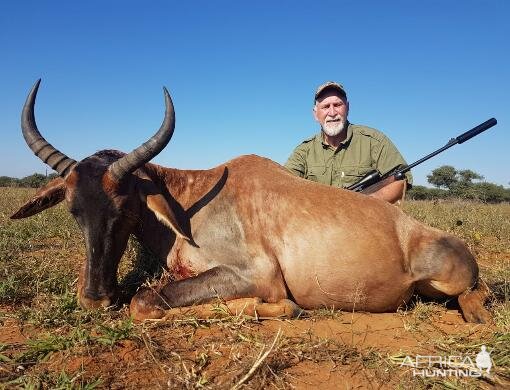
(363, 150)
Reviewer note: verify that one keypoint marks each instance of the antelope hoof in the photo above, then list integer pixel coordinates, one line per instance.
(147, 304)
(471, 304)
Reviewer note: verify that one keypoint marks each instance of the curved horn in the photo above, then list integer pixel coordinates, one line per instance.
(147, 151)
(35, 141)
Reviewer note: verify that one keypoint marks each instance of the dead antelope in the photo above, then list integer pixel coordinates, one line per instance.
(247, 229)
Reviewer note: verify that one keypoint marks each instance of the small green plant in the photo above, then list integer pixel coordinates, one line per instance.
(419, 313)
(62, 381)
(110, 335)
(39, 349)
(9, 289)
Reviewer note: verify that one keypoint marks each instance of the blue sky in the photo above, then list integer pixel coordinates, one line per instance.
(242, 76)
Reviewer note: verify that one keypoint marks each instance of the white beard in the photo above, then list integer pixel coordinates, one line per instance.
(333, 128)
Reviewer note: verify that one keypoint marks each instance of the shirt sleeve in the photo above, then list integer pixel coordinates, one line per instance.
(296, 163)
(387, 158)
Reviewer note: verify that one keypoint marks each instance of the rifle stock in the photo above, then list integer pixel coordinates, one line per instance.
(377, 186)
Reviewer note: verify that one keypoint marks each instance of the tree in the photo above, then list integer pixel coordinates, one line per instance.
(465, 188)
(467, 176)
(443, 177)
(34, 181)
(491, 193)
(423, 193)
(6, 181)
(459, 184)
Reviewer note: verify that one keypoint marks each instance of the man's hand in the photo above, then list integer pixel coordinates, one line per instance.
(392, 192)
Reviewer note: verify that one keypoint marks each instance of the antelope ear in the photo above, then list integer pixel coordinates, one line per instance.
(157, 203)
(46, 197)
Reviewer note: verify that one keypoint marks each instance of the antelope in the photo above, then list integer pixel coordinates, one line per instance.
(246, 231)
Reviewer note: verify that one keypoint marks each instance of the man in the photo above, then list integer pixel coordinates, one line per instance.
(342, 153)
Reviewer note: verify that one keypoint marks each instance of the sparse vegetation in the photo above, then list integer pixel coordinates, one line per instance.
(47, 341)
(33, 181)
(451, 183)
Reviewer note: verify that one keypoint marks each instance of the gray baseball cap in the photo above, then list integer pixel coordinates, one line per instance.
(330, 85)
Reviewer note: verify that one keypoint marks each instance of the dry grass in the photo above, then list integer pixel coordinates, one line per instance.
(46, 341)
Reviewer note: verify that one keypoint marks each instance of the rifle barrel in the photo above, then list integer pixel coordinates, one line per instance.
(477, 130)
(454, 141)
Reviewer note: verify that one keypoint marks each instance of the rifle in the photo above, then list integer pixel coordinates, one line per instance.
(374, 181)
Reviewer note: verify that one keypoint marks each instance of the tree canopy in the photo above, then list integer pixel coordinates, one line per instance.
(463, 184)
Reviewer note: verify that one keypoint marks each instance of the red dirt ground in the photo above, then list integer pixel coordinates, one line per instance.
(144, 363)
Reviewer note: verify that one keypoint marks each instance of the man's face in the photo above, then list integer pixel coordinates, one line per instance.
(331, 112)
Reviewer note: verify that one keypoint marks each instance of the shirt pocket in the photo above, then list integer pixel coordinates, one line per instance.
(316, 173)
(347, 176)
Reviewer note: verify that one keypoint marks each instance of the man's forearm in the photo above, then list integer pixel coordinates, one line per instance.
(392, 192)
